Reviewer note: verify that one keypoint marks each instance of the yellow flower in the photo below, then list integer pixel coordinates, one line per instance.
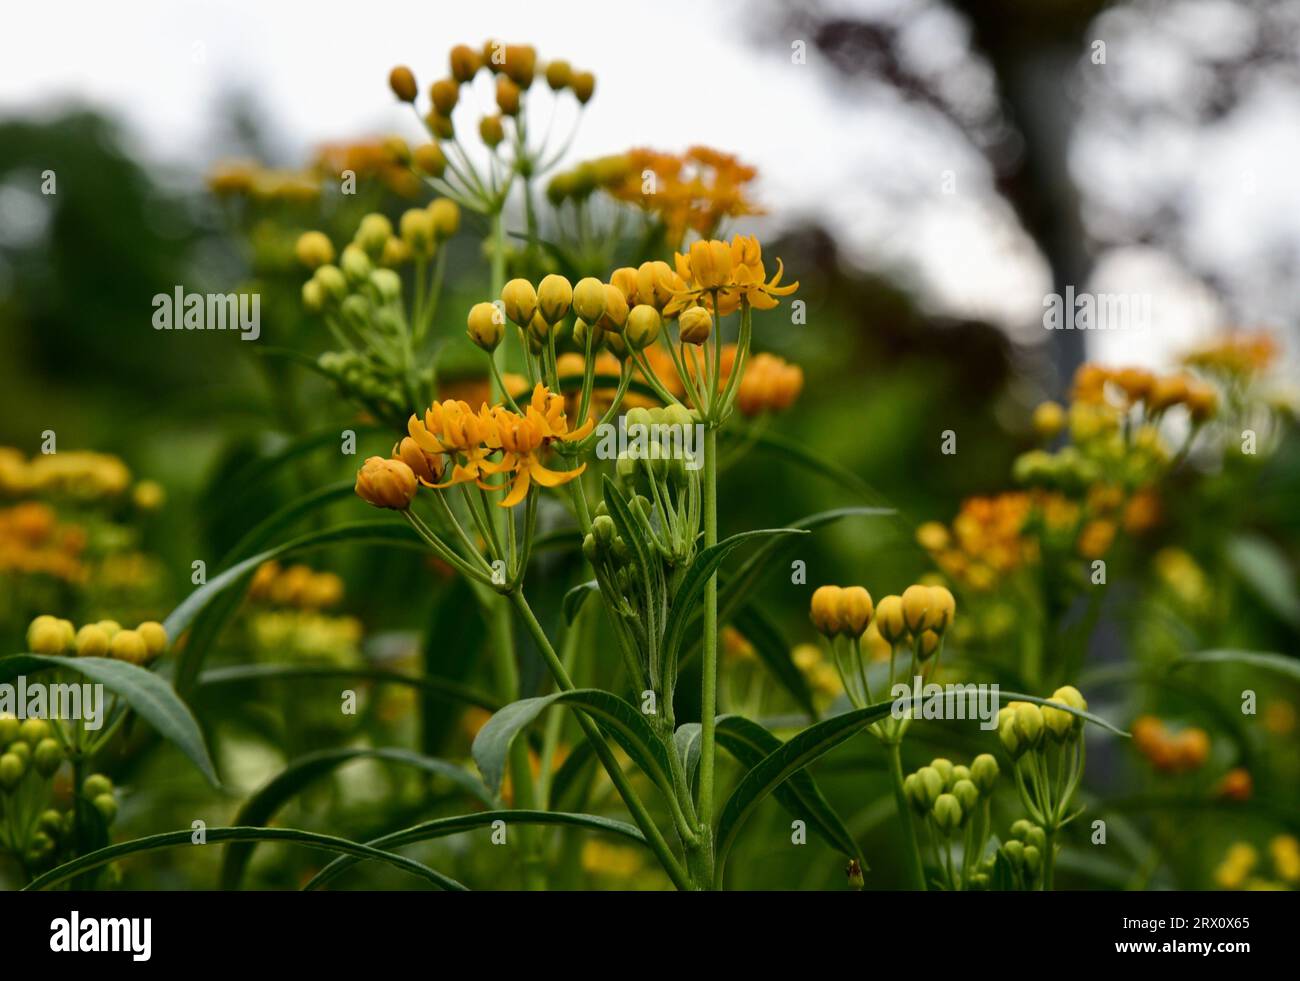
(523, 438)
(738, 278)
(384, 484)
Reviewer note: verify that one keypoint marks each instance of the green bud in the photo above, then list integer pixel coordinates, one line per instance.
(48, 757)
(1007, 735)
(21, 750)
(41, 845)
(8, 728)
(1033, 859)
(106, 805)
(1036, 837)
(332, 282)
(915, 793)
(96, 785)
(602, 527)
(356, 264)
(1015, 853)
(984, 773)
(931, 784)
(33, 731)
(967, 795)
(51, 822)
(944, 766)
(589, 550)
(960, 772)
(947, 813)
(12, 769)
(1021, 828)
(1028, 722)
(373, 232)
(388, 284)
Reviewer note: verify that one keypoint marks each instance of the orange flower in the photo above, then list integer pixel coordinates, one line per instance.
(522, 439)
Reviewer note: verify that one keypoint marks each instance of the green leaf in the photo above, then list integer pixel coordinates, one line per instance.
(436, 687)
(265, 530)
(442, 827)
(620, 719)
(1097, 720)
(798, 453)
(298, 775)
(190, 658)
(750, 744)
(697, 576)
(779, 765)
(169, 839)
(148, 695)
(1267, 660)
(576, 596)
(1264, 568)
(686, 741)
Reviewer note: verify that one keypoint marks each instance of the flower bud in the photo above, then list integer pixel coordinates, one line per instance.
(490, 130)
(984, 773)
(106, 805)
(558, 74)
(520, 300)
(889, 619)
(96, 784)
(554, 296)
(1020, 828)
(916, 607)
(580, 331)
(616, 310)
(373, 231)
(507, 96)
(12, 769)
(967, 795)
(583, 85)
(128, 646)
(960, 772)
(643, 326)
(386, 483)
(465, 62)
(356, 264)
(427, 467)
(947, 813)
(154, 636)
(429, 159)
(1035, 836)
(914, 791)
(439, 125)
(855, 610)
(32, 731)
(854, 874)
(538, 329)
(314, 249)
(47, 636)
(313, 296)
(110, 627)
(416, 226)
(444, 94)
(927, 644)
(332, 282)
(694, 325)
(944, 768)
(1015, 853)
(402, 81)
(931, 785)
(589, 299)
(1049, 419)
(1033, 859)
(1007, 735)
(1028, 720)
(486, 325)
(47, 757)
(446, 218)
(824, 610)
(387, 284)
(942, 609)
(9, 726)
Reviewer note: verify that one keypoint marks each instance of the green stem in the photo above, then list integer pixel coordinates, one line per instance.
(916, 870)
(709, 686)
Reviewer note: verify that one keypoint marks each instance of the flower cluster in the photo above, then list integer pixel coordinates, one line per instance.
(1238, 869)
(955, 799)
(34, 543)
(80, 474)
(106, 638)
(1170, 752)
(298, 586)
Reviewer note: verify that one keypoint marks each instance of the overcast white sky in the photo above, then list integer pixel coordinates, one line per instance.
(669, 74)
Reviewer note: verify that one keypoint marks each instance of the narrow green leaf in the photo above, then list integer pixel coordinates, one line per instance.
(298, 775)
(170, 839)
(1267, 660)
(750, 744)
(771, 648)
(779, 765)
(686, 740)
(149, 696)
(576, 596)
(442, 827)
(620, 719)
(1264, 568)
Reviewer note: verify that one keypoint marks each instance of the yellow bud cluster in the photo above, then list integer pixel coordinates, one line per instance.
(106, 638)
